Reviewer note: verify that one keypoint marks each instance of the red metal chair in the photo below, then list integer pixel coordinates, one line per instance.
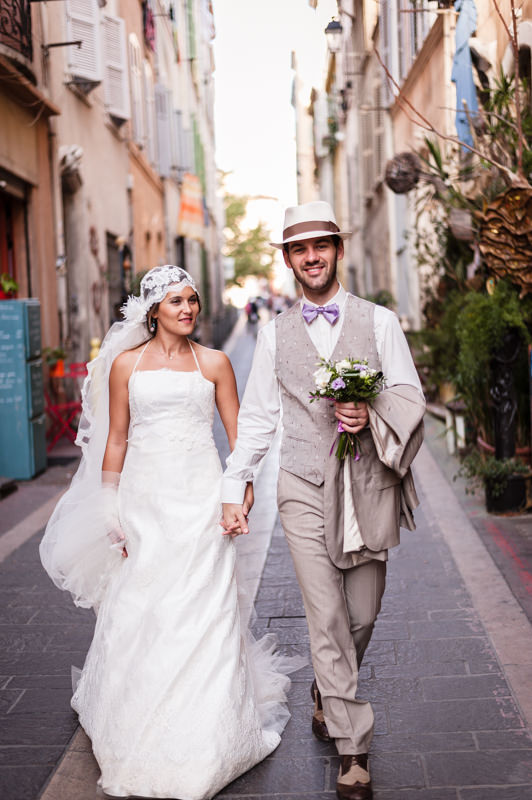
(63, 415)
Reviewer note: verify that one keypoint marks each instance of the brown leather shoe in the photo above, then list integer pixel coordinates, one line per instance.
(319, 727)
(353, 781)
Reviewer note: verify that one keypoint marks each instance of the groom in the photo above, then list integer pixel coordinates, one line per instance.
(339, 518)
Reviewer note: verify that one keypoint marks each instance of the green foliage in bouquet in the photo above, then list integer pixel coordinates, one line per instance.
(348, 380)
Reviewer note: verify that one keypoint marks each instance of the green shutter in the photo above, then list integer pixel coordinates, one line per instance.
(191, 29)
(199, 154)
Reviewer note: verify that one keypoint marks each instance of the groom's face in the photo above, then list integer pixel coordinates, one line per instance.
(314, 262)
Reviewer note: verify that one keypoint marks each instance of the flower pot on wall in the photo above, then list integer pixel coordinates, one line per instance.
(58, 369)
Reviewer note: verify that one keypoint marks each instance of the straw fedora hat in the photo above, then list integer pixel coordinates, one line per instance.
(309, 221)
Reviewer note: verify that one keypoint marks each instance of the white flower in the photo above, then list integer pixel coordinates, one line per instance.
(134, 309)
(322, 377)
(343, 365)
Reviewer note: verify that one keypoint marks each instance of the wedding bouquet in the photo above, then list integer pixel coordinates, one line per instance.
(349, 380)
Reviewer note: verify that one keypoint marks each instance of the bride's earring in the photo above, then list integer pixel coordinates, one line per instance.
(153, 325)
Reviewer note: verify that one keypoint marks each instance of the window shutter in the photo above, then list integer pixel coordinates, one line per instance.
(179, 154)
(136, 90)
(191, 29)
(116, 82)
(378, 132)
(83, 19)
(189, 142)
(385, 31)
(149, 99)
(162, 107)
(367, 152)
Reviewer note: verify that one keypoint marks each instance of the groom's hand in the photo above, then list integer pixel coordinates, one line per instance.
(353, 416)
(234, 520)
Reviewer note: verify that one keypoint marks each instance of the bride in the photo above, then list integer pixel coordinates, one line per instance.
(176, 696)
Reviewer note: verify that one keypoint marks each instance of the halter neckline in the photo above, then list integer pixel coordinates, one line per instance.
(137, 362)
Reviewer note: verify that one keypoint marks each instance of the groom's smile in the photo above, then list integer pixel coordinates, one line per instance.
(313, 262)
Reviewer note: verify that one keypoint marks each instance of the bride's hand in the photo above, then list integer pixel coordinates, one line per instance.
(249, 499)
(234, 521)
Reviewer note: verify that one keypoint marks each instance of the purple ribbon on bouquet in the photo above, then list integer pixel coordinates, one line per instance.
(341, 430)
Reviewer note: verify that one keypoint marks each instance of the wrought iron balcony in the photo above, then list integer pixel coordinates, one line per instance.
(15, 26)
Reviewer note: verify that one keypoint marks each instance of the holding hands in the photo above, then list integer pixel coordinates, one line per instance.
(235, 515)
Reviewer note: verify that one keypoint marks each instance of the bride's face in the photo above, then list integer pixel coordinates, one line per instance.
(178, 312)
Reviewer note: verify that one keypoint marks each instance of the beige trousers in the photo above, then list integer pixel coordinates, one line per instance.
(341, 608)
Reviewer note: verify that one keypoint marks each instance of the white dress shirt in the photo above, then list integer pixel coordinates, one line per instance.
(261, 405)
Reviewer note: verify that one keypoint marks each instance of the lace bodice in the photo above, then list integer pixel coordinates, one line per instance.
(178, 406)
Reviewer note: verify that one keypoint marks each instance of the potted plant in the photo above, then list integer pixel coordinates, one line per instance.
(8, 286)
(504, 480)
(55, 358)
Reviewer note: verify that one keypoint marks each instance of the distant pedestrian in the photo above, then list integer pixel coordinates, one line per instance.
(176, 697)
(338, 529)
(252, 310)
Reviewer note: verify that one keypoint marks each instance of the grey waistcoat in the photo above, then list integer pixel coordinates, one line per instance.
(309, 429)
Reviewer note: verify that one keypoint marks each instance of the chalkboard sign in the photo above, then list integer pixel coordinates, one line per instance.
(22, 423)
(20, 326)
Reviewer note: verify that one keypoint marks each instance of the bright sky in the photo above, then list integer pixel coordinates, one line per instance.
(255, 121)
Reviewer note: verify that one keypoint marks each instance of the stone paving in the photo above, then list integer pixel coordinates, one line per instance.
(447, 726)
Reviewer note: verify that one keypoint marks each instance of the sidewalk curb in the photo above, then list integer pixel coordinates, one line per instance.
(503, 618)
(28, 527)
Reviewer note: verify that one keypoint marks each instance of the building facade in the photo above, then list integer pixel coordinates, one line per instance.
(388, 62)
(106, 110)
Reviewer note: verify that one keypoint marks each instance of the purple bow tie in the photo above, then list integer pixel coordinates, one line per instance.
(330, 312)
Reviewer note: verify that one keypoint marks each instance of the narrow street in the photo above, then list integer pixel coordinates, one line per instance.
(448, 669)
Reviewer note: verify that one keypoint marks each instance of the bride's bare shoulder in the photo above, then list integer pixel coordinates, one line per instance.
(213, 363)
(125, 361)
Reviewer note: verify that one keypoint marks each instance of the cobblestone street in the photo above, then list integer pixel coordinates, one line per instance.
(448, 668)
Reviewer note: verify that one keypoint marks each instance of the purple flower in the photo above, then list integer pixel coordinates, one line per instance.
(338, 383)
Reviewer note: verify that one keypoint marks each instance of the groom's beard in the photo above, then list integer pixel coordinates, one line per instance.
(323, 282)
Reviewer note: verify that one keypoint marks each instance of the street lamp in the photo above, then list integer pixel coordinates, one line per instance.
(333, 32)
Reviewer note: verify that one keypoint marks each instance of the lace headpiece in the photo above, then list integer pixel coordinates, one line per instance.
(154, 288)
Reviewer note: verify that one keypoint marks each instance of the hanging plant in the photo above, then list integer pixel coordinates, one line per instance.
(505, 237)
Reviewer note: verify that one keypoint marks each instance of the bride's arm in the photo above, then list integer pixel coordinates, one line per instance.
(226, 397)
(228, 405)
(115, 450)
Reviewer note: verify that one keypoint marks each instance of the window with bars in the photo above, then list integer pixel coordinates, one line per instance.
(404, 26)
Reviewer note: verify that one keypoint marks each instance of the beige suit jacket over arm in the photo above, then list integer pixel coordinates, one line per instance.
(383, 490)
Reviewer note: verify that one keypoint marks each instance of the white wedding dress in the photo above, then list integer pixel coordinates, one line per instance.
(177, 699)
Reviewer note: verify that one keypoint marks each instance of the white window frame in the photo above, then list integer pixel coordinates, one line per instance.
(149, 113)
(137, 104)
(116, 80)
(83, 23)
